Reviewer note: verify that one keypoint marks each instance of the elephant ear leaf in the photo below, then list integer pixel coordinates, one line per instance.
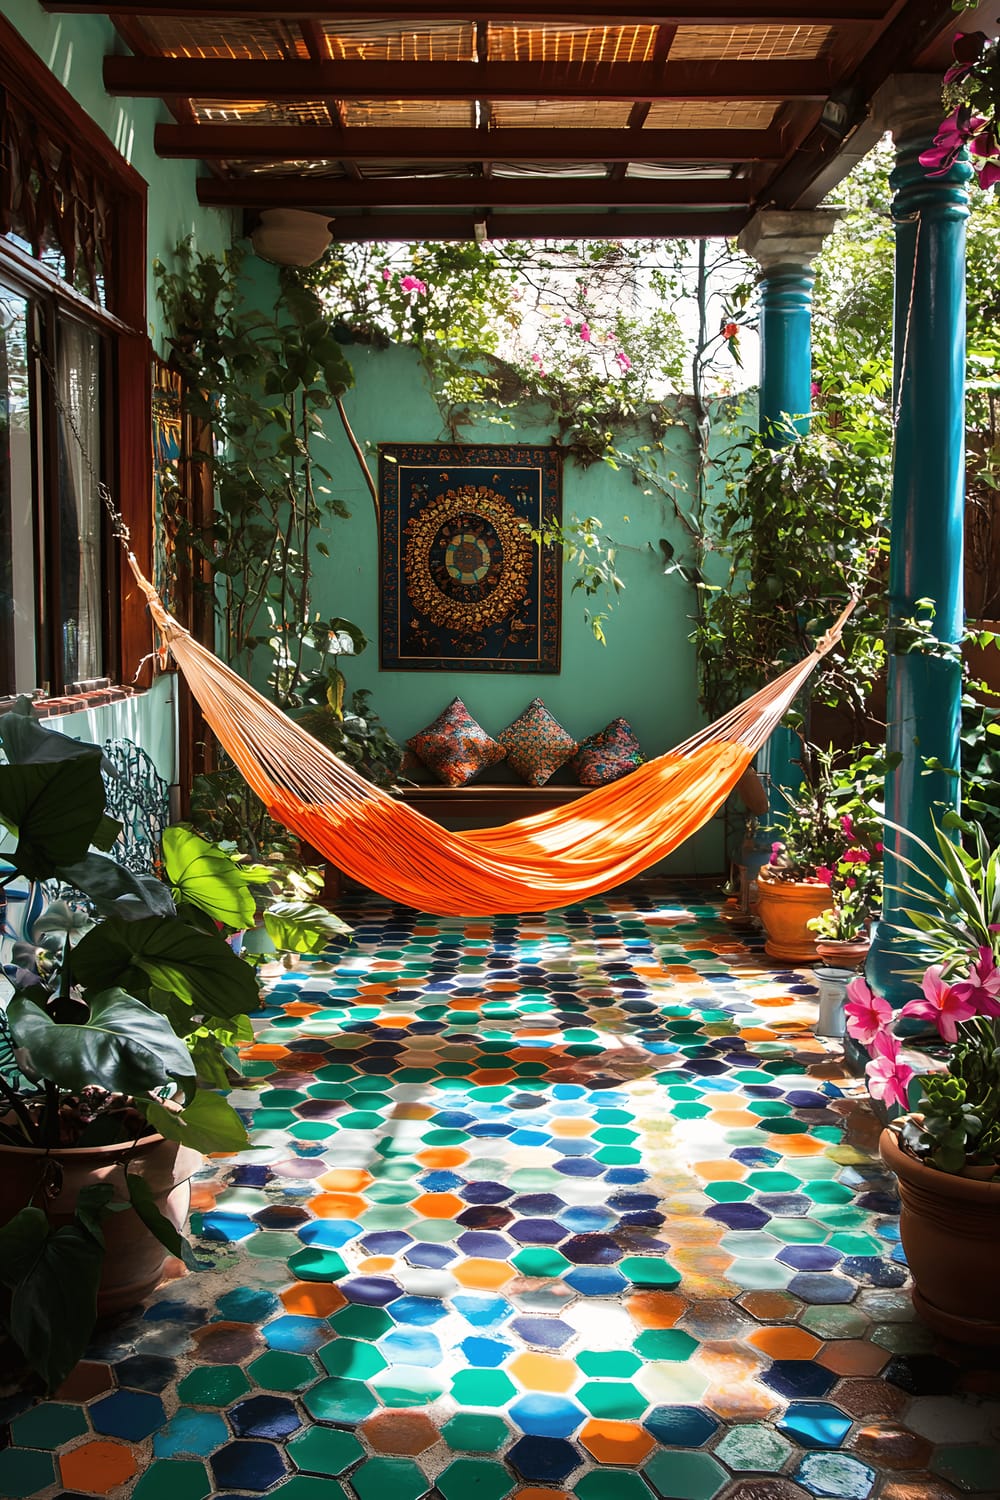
(206, 877)
(122, 1046)
(197, 967)
(302, 926)
(55, 807)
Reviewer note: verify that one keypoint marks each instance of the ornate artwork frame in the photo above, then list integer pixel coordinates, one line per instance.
(463, 587)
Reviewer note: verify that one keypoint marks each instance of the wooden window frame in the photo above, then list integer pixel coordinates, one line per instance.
(129, 637)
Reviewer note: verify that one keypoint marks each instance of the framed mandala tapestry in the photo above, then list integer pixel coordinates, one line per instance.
(464, 587)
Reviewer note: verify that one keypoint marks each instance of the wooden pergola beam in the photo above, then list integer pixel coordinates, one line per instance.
(325, 193)
(213, 78)
(572, 226)
(328, 142)
(611, 13)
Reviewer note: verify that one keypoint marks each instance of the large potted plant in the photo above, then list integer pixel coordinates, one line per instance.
(827, 857)
(123, 1006)
(945, 1145)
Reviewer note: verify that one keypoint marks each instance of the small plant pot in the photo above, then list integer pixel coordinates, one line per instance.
(950, 1229)
(840, 954)
(52, 1180)
(786, 908)
(830, 1018)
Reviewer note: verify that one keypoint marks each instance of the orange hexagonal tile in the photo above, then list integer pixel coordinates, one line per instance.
(337, 1205)
(408, 1432)
(771, 1307)
(785, 1343)
(313, 1299)
(796, 1145)
(96, 1468)
(487, 1274)
(372, 1265)
(656, 1309)
(543, 1372)
(617, 1442)
(572, 1127)
(438, 1206)
(345, 1180)
(411, 1110)
(720, 1171)
(437, 1159)
(853, 1357)
(89, 1378)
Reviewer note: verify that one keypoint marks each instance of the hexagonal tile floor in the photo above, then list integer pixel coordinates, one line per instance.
(571, 1205)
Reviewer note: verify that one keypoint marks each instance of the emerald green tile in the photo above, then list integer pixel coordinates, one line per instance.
(349, 1357)
(666, 1343)
(173, 1479)
(268, 1245)
(324, 1450)
(358, 1322)
(48, 1425)
(648, 1270)
(398, 1478)
(611, 1484)
(408, 1385)
(618, 1363)
(482, 1388)
(316, 1264)
(539, 1261)
(213, 1385)
(618, 1156)
(828, 1192)
(475, 1479)
(25, 1471)
(857, 1244)
(475, 1432)
(278, 1371)
(797, 1231)
(339, 1400)
(308, 1487)
(729, 1192)
(754, 1447)
(612, 1399)
(685, 1476)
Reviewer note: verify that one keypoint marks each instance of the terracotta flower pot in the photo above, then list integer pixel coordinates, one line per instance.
(841, 954)
(950, 1228)
(786, 907)
(134, 1260)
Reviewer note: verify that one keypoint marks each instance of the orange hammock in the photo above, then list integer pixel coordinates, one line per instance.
(548, 860)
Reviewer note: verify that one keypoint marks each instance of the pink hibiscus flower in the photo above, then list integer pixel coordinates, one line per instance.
(857, 856)
(887, 1075)
(982, 987)
(824, 873)
(953, 133)
(941, 1004)
(413, 284)
(585, 332)
(867, 1014)
(623, 361)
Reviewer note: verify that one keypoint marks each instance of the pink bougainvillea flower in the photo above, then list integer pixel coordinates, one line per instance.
(967, 47)
(982, 987)
(585, 332)
(880, 848)
(777, 850)
(824, 873)
(887, 1075)
(847, 824)
(413, 284)
(857, 856)
(941, 1004)
(867, 1013)
(815, 389)
(953, 133)
(623, 361)
(386, 274)
(988, 174)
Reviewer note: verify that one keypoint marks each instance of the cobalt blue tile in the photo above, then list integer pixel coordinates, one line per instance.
(579, 1166)
(485, 1354)
(538, 1232)
(295, 1334)
(596, 1281)
(806, 1099)
(680, 1426)
(485, 1216)
(434, 1257)
(546, 1460)
(132, 1415)
(821, 1287)
(476, 1242)
(386, 1242)
(330, 1234)
(798, 1377)
(265, 1417)
(548, 1416)
(810, 1257)
(756, 1156)
(247, 1464)
(592, 1249)
(814, 1424)
(231, 1228)
(420, 1312)
(371, 1291)
(485, 1192)
(871, 1270)
(739, 1215)
(785, 1205)
(524, 1137)
(538, 1203)
(250, 1176)
(543, 1333)
(443, 1182)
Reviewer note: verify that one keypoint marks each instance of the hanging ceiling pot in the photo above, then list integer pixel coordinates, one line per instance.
(291, 236)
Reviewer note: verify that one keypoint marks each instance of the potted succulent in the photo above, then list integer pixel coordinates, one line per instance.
(123, 1016)
(828, 856)
(945, 1145)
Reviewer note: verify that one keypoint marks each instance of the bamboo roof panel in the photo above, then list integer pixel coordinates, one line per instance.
(751, 43)
(369, 41)
(562, 114)
(262, 111)
(413, 114)
(570, 44)
(693, 114)
(187, 36)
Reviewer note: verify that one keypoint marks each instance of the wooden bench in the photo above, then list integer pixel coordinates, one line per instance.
(490, 802)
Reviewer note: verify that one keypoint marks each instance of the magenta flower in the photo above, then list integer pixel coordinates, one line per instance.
(777, 850)
(953, 133)
(623, 361)
(941, 1004)
(857, 856)
(386, 274)
(867, 1013)
(585, 332)
(824, 874)
(988, 174)
(887, 1075)
(982, 988)
(847, 824)
(413, 284)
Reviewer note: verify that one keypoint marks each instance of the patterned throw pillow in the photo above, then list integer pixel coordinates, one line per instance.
(607, 756)
(536, 744)
(455, 747)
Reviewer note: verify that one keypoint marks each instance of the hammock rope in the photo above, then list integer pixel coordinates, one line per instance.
(547, 860)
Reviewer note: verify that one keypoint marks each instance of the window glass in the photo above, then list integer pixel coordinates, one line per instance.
(18, 573)
(79, 516)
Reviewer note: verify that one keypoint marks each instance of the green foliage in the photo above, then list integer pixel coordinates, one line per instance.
(207, 878)
(956, 895)
(958, 1121)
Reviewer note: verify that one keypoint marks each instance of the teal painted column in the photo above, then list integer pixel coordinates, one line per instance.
(785, 244)
(928, 491)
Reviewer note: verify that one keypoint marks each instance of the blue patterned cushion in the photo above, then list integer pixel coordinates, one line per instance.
(455, 747)
(607, 756)
(536, 744)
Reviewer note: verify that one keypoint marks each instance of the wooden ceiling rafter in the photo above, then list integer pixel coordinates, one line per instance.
(319, 51)
(316, 192)
(617, 13)
(627, 225)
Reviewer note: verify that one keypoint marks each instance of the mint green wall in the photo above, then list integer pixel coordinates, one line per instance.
(73, 48)
(646, 672)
